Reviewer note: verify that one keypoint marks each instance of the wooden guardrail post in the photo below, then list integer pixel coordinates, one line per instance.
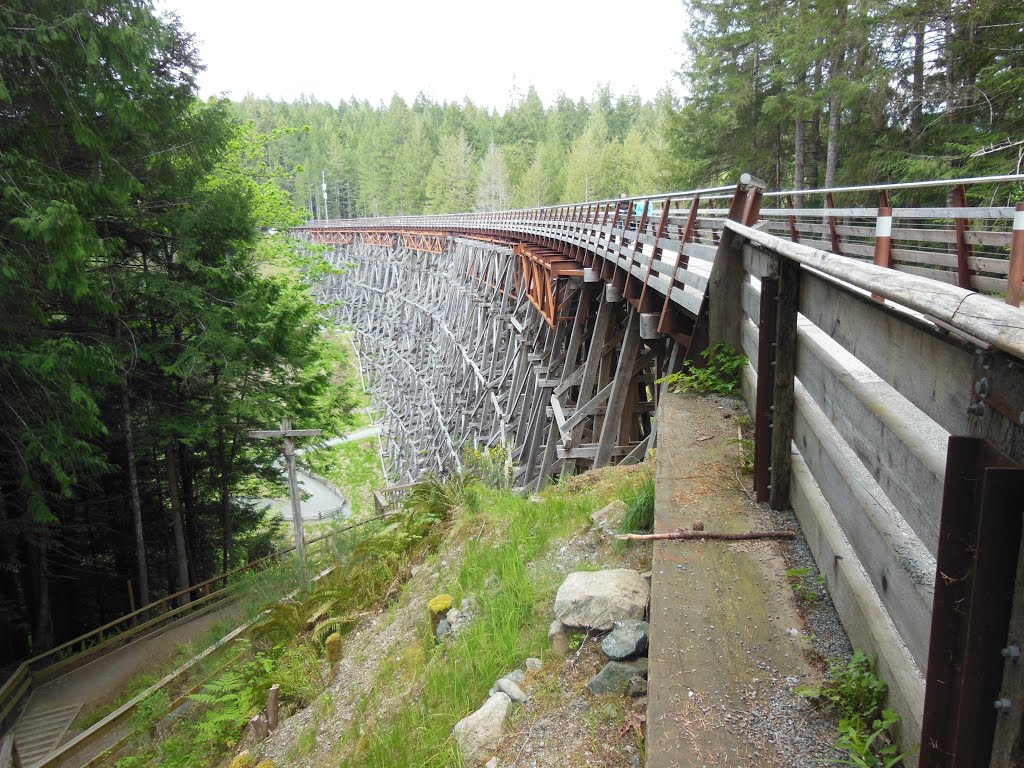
(1016, 275)
(783, 395)
(964, 250)
(726, 283)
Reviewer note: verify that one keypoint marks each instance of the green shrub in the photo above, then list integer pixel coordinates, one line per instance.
(721, 376)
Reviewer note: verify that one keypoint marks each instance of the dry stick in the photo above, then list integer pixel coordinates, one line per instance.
(716, 535)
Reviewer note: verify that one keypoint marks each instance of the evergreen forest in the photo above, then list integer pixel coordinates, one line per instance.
(153, 309)
(803, 95)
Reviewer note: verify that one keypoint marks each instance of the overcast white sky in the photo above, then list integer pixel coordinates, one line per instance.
(447, 49)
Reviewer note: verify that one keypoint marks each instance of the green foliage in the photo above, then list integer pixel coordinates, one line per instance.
(233, 698)
(721, 375)
(640, 503)
(149, 712)
(803, 585)
(856, 694)
(870, 747)
(746, 448)
(491, 467)
(851, 688)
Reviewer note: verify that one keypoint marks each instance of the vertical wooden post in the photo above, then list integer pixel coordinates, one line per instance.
(767, 331)
(783, 397)
(620, 389)
(293, 485)
(794, 233)
(837, 244)
(883, 236)
(1016, 274)
(964, 250)
(725, 285)
(131, 597)
(272, 706)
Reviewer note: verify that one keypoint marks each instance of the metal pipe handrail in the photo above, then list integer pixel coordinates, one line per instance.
(707, 193)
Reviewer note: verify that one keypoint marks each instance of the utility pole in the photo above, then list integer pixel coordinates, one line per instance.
(289, 436)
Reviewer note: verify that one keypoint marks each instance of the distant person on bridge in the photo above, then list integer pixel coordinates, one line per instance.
(623, 208)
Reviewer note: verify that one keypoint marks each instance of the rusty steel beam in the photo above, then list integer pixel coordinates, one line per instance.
(976, 568)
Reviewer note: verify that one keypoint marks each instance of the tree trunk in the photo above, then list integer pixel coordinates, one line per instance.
(799, 141)
(227, 522)
(835, 111)
(814, 167)
(133, 489)
(42, 621)
(177, 522)
(950, 79)
(917, 92)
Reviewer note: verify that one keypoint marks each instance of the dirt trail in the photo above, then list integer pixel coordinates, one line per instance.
(102, 680)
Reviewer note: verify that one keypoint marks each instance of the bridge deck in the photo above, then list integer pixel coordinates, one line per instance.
(722, 646)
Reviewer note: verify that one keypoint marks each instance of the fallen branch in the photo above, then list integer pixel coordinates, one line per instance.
(715, 535)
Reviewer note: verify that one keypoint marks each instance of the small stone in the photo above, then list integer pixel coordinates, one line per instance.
(516, 676)
(443, 628)
(637, 687)
(609, 519)
(492, 763)
(453, 616)
(616, 675)
(415, 569)
(646, 576)
(478, 734)
(533, 664)
(558, 638)
(514, 691)
(629, 638)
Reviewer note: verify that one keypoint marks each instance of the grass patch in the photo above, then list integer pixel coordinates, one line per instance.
(640, 502)
(354, 468)
(503, 535)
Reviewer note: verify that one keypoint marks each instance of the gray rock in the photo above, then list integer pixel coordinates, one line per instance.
(443, 628)
(616, 675)
(514, 691)
(637, 687)
(533, 664)
(492, 763)
(558, 639)
(516, 676)
(597, 599)
(477, 734)
(453, 615)
(609, 519)
(627, 639)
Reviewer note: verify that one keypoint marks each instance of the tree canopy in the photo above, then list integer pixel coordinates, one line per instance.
(143, 330)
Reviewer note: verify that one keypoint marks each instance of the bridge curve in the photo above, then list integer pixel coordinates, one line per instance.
(886, 343)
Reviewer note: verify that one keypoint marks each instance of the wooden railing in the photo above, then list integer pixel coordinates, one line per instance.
(979, 248)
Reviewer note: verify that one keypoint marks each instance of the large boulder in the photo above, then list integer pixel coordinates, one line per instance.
(597, 599)
(477, 734)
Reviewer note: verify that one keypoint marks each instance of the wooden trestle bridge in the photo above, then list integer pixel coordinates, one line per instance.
(886, 382)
